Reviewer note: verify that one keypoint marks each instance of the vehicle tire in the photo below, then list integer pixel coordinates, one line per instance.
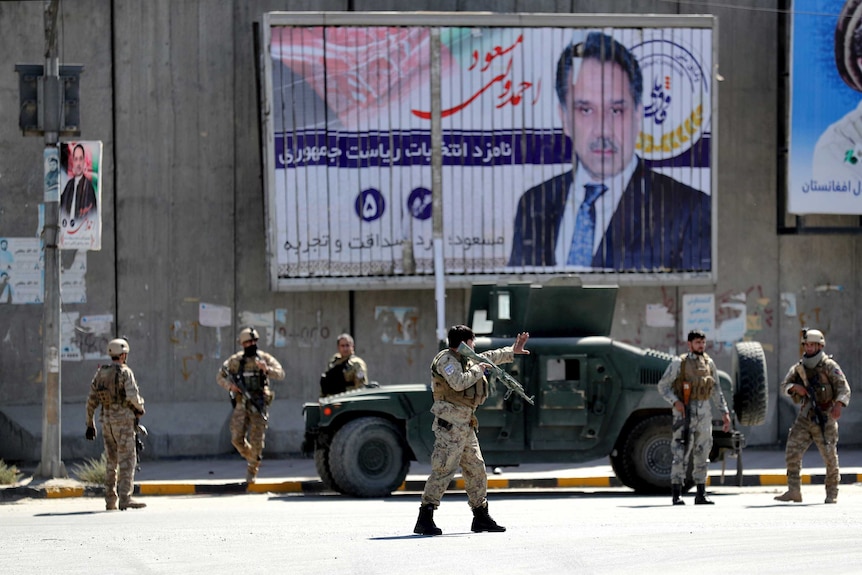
(321, 463)
(618, 465)
(368, 457)
(750, 393)
(646, 457)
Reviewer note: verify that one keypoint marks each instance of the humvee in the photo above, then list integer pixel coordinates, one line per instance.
(593, 396)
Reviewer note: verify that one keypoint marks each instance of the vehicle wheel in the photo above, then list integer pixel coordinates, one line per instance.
(750, 393)
(321, 463)
(618, 465)
(368, 458)
(646, 457)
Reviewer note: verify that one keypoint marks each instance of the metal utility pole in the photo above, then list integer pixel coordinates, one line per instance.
(437, 186)
(51, 464)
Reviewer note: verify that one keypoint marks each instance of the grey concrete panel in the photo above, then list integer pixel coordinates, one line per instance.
(182, 429)
(171, 89)
(177, 191)
(18, 428)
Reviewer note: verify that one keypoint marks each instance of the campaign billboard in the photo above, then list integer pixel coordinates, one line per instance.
(80, 196)
(825, 156)
(567, 145)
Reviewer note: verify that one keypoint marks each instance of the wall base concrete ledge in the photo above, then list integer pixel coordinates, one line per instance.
(182, 429)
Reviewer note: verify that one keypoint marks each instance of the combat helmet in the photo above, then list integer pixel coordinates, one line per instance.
(813, 336)
(248, 334)
(118, 346)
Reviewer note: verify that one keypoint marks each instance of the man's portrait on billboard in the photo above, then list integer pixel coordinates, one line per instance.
(610, 211)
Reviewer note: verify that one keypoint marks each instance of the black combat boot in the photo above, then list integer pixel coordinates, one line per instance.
(676, 490)
(425, 524)
(483, 522)
(700, 498)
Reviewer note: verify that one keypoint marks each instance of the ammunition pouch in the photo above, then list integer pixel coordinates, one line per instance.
(823, 392)
(104, 397)
(108, 388)
(702, 388)
(254, 381)
(694, 372)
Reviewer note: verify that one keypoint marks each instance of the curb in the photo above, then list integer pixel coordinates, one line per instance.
(315, 486)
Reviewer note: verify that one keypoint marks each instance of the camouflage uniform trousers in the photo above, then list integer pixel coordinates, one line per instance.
(803, 432)
(118, 431)
(698, 446)
(456, 446)
(247, 434)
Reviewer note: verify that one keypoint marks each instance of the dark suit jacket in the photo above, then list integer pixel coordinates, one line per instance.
(85, 199)
(659, 223)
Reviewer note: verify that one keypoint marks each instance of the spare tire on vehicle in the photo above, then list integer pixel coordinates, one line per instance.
(750, 393)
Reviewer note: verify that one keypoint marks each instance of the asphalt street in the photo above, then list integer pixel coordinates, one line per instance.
(761, 467)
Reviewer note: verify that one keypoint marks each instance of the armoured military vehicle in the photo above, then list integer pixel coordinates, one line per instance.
(593, 397)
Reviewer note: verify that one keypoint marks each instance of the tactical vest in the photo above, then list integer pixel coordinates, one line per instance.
(252, 376)
(818, 378)
(108, 387)
(472, 397)
(695, 370)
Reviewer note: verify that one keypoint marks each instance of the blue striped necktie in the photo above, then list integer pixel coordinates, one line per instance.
(581, 250)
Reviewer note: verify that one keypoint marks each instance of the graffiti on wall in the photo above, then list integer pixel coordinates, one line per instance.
(727, 318)
(761, 317)
(184, 332)
(279, 333)
(85, 337)
(302, 335)
(397, 325)
(185, 335)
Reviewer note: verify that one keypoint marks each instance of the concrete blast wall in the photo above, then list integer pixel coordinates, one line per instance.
(171, 90)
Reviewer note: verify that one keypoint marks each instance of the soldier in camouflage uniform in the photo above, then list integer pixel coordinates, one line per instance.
(115, 390)
(248, 422)
(690, 383)
(459, 387)
(820, 373)
(345, 370)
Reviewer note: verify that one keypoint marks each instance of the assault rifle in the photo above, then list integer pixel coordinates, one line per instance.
(686, 420)
(332, 380)
(257, 403)
(820, 418)
(140, 433)
(498, 373)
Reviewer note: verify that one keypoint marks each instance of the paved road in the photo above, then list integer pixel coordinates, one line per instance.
(584, 531)
(297, 475)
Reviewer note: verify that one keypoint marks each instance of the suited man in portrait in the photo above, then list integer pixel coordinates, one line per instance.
(78, 200)
(610, 212)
